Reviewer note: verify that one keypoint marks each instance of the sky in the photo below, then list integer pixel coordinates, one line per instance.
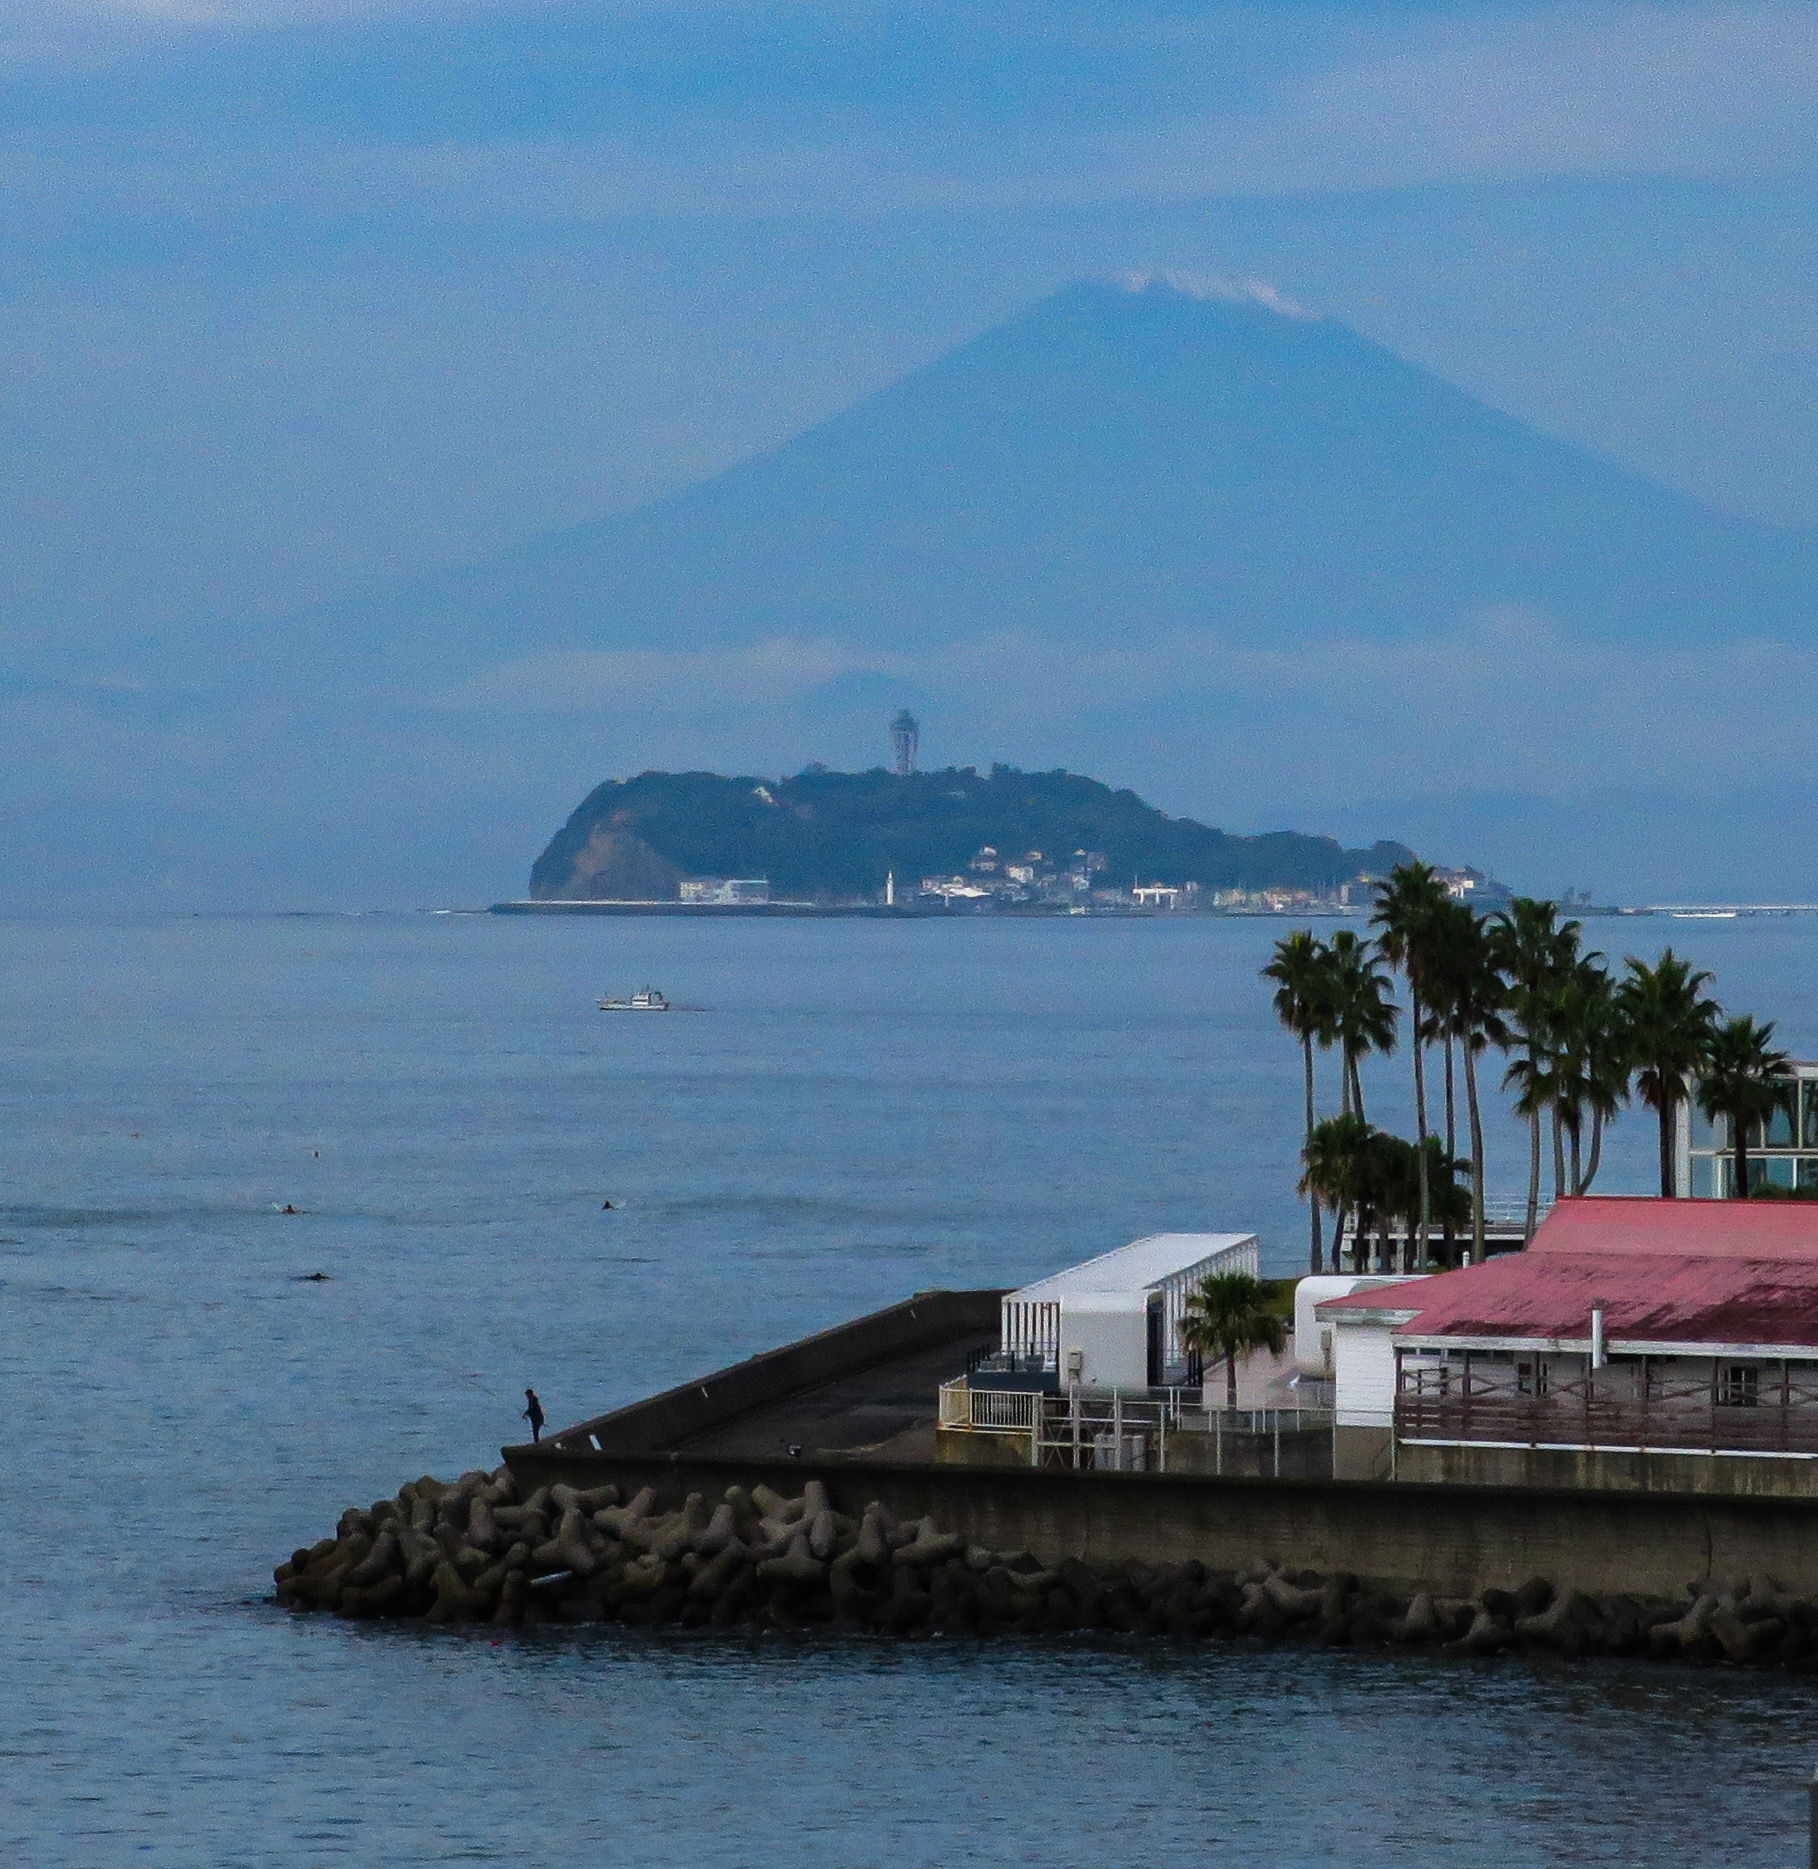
(301, 295)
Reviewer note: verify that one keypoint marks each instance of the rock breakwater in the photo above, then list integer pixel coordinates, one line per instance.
(475, 1551)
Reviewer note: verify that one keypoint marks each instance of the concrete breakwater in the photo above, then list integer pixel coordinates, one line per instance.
(475, 1551)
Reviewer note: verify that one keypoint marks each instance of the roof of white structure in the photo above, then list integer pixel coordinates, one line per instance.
(1140, 1266)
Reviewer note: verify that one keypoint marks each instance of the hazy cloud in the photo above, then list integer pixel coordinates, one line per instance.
(1502, 700)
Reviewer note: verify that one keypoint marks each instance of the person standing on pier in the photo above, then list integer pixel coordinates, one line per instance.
(534, 1414)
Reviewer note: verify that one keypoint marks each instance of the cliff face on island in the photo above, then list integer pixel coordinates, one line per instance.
(835, 836)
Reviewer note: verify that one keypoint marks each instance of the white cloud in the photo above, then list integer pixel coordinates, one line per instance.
(1722, 90)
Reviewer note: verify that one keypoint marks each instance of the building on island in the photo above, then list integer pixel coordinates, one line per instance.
(724, 889)
(1637, 1344)
(1783, 1152)
(1032, 880)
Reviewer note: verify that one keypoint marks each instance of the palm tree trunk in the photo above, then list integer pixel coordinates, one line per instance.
(1668, 1110)
(1357, 1108)
(1590, 1173)
(1451, 1104)
(1231, 1378)
(1476, 1115)
(1533, 1177)
(1559, 1180)
(1338, 1238)
(1577, 1159)
(1741, 1132)
(1420, 1125)
(1314, 1254)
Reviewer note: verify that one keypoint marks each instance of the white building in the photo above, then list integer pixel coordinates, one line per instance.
(722, 890)
(1114, 1322)
(1783, 1151)
(1155, 896)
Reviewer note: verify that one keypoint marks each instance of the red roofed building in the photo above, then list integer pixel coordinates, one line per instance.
(1638, 1343)
(1767, 1229)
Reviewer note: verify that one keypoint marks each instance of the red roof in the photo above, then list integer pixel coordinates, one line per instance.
(1609, 1223)
(1668, 1298)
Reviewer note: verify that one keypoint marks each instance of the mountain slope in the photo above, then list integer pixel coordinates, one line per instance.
(838, 834)
(1119, 460)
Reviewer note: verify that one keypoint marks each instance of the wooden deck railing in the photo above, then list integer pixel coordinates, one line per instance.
(1644, 1402)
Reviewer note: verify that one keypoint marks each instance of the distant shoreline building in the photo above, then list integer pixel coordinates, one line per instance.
(723, 889)
(1783, 1151)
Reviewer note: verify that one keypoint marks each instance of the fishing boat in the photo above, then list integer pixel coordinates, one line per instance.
(646, 999)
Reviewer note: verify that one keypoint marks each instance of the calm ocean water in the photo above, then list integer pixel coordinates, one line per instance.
(862, 1110)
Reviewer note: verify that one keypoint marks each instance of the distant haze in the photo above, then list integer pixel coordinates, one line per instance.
(1198, 542)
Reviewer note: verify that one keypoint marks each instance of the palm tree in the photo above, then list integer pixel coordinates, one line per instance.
(1535, 953)
(1363, 1013)
(1743, 1080)
(1334, 1156)
(1593, 1063)
(1304, 1004)
(1228, 1316)
(1669, 1024)
(1451, 1202)
(1536, 1087)
(1393, 1192)
(1407, 914)
(1470, 997)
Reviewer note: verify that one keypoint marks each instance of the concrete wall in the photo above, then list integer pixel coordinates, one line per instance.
(1727, 1474)
(713, 1401)
(1453, 1539)
(1363, 1453)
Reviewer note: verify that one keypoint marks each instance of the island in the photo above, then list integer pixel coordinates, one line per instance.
(926, 843)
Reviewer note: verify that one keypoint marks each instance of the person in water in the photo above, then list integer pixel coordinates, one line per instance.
(534, 1414)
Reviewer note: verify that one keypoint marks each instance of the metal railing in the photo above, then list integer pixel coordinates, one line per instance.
(1104, 1432)
(1254, 1428)
(1119, 1431)
(988, 1411)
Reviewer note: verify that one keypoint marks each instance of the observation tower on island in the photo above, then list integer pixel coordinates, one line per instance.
(906, 737)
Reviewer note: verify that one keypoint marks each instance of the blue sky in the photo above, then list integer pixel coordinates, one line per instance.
(301, 295)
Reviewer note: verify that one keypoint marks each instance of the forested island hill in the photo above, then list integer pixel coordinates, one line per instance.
(952, 837)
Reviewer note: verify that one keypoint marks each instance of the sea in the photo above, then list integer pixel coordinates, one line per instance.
(836, 1115)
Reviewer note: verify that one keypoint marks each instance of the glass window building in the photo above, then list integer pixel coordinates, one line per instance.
(1783, 1152)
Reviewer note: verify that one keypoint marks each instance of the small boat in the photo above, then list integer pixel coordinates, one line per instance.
(647, 999)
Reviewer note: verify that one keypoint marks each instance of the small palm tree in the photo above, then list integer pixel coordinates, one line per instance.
(1304, 1004)
(1743, 1080)
(1669, 1025)
(1228, 1316)
(1451, 1200)
(1335, 1157)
